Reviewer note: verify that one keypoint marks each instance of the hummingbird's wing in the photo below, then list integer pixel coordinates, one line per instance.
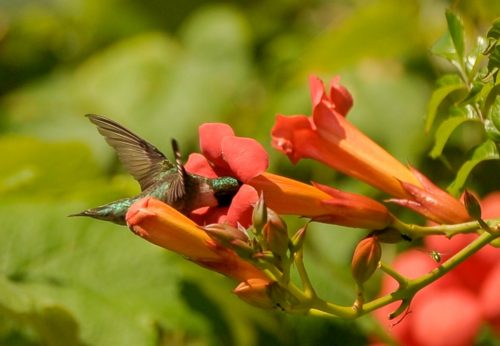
(178, 184)
(142, 159)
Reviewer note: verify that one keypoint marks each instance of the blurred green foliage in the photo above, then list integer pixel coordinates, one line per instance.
(162, 68)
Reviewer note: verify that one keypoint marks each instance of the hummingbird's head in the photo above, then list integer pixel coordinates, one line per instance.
(224, 189)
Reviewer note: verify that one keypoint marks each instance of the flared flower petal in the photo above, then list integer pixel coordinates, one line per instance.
(164, 226)
(245, 157)
(329, 138)
(225, 154)
(211, 136)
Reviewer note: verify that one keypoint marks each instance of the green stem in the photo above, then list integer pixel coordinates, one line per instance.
(416, 231)
(403, 282)
(408, 287)
(416, 284)
(304, 277)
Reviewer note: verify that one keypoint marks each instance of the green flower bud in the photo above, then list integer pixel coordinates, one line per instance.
(259, 214)
(275, 235)
(299, 237)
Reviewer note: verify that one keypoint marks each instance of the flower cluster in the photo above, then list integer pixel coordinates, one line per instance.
(248, 241)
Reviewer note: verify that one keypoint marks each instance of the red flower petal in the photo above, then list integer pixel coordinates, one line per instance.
(241, 207)
(329, 122)
(211, 136)
(198, 164)
(317, 90)
(209, 215)
(490, 205)
(341, 98)
(447, 318)
(245, 157)
(490, 299)
(285, 132)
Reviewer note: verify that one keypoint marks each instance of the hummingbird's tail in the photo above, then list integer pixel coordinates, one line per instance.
(108, 212)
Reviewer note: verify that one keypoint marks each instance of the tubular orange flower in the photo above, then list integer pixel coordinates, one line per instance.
(320, 202)
(162, 225)
(329, 138)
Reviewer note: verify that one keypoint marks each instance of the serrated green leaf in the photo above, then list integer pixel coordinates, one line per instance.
(456, 30)
(485, 151)
(438, 96)
(444, 132)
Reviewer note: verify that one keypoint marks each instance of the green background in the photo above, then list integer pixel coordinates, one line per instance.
(162, 68)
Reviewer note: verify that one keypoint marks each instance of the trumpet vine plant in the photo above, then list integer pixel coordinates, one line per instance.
(248, 241)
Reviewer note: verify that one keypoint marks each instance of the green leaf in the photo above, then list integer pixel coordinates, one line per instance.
(492, 131)
(444, 47)
(494, 59)
(485, 151)
(494, 109)
(438, 96)
(494, 31)
(444, 131)
(456, 30)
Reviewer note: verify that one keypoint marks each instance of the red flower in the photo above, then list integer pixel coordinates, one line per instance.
(225, 154)
(329, 138)
(451, 310)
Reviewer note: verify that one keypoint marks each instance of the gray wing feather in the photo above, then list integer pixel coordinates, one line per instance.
(142, 159)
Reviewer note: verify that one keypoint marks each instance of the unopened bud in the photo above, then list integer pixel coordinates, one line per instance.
(276, 234)
(472, 205)
(365, 259)
(225, 234)
(299, 237)
(255, 292)
(242, 248)
(259, 214)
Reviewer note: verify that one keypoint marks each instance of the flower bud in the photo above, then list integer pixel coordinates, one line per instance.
(472, 205)
(365, 259)
(255, 292)
(299, 237)
(259, 214)
(276, 234)
(224, 234)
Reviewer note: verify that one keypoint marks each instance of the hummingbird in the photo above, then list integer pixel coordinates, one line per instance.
(158, 177)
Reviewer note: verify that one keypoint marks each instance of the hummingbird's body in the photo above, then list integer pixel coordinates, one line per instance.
(158, 177)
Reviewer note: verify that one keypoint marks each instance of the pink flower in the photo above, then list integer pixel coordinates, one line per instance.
(329, 138)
